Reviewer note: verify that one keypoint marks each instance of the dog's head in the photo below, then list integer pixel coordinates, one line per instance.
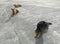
(43, 22)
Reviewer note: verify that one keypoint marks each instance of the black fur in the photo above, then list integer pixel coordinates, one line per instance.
(42, 27)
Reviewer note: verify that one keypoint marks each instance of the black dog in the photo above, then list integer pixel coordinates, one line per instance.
(42, 27)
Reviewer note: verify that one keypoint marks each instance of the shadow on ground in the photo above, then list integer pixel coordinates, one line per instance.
(39, 41)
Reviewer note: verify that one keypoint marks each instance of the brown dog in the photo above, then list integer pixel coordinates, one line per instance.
(17, 5)
(14, 11)
(42, 27)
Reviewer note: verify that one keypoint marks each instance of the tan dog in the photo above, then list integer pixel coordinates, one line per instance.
(14, 11)
(17, 5)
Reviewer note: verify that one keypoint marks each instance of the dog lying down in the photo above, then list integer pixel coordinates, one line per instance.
(42, 27)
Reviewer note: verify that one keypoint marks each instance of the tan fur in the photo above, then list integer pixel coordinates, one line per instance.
(17, 5)
(14, 11)
(37, 35)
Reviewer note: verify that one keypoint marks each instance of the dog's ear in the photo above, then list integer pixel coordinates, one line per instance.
(49, 23)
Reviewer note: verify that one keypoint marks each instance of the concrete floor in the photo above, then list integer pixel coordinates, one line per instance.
(20, 29)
